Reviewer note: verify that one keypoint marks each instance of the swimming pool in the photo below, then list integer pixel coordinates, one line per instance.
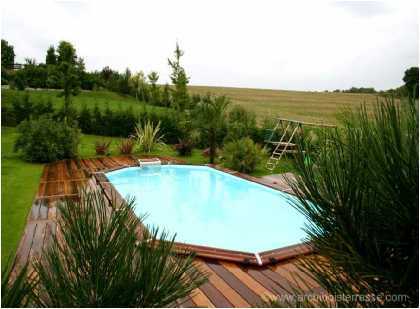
(207, 207)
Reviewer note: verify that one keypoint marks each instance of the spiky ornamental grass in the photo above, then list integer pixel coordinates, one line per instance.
(17, 290)
(95, 260)
(148, 136)
(359, 193)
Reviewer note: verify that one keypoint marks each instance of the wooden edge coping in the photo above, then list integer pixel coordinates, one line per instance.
(266, 257)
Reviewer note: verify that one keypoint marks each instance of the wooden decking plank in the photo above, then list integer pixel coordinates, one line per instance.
(43, 211)
(293, 274)
(50, 230)
(186, 302)
(22, 253)
(279, 279)
(38, 240)
(250, 296)
(44, 175)
(266, 282)
(246, 279)
(229, 292)
(35, 211)
(214, 295)
(200, 299)
(51, 188)
(52, 213)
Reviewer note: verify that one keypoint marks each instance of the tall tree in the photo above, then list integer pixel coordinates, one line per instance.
(7, 54)
(51, 58)
(210, 115)
(154, 88)
(124, 82)
(70, 68)
(180, 80)
(411, 80)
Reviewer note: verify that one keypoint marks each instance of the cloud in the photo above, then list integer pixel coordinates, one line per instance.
(364, 8)
(272, 44)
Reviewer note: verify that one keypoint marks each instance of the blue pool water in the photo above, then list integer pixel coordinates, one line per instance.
(207, 207)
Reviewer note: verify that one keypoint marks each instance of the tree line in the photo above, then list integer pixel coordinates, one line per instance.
(63, 67)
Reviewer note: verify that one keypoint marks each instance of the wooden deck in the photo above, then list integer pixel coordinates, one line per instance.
(230, 284)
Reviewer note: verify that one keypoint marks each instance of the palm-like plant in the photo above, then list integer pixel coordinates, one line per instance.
(359, 193)
(148, 136)
(96, 260)
(210, 115)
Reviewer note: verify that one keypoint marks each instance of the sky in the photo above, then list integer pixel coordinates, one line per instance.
(291, 45)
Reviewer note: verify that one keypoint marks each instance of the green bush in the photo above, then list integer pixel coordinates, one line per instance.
(241, 123)
(46, 140)
(243, 155)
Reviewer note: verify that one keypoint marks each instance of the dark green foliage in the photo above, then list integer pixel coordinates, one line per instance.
(46, 140)
(85, 120)
(19, 80)
(124, 82)
(411, 80)
(241, 123)
(70, 68)
(102, 261)
(360, 90)
(97, 122)
(210, 118)
(17, 291)
(243, 155)
(53, 77)
(7, 54)
(155, 96)
(184, 146)
(166, 96)
(180, 97)
(51, 57)
(23, 108)
(360, 195)
(8, 118)
(34, 74)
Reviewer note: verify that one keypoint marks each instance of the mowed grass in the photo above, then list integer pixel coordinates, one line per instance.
(19, 185)
(320, 107)
(102, 99)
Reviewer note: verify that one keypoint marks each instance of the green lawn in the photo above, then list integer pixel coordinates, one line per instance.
(18, 188)
(20, 181)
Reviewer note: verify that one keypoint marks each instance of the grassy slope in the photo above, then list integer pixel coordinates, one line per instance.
(299, 105)
(90, 98)
(20, 182)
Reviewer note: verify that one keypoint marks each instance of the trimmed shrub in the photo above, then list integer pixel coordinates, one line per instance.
(243, 155)
(46, 140)
(85, 120)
